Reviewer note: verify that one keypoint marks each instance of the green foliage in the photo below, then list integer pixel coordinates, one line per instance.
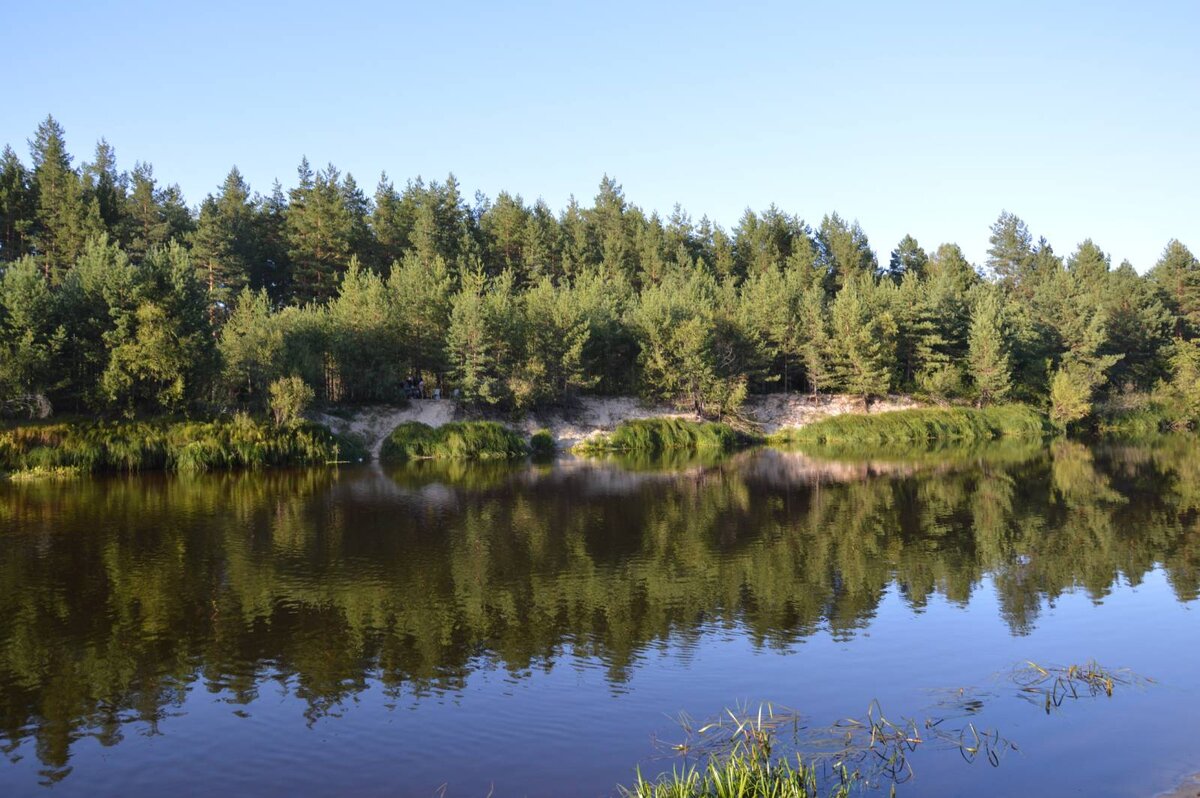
(863, 337)
(541, 443)
(290, 398)
(458, 440)
(234, 442)
(517, 307)
(654, 435)
(988, 356)
(920, 426)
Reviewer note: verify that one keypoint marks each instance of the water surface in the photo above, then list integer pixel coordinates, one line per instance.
(534, 629)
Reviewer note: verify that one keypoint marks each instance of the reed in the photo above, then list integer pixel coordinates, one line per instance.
(238, 441)
(921, 426)
(652, 435)
(458, 440)
(746, 767)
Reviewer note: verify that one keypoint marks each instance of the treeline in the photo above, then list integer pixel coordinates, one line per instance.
(117, 297)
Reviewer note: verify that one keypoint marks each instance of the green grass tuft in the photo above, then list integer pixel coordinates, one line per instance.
(458, 440)
(921, 426)
(541, 444)
(652, 435)
(238, 441)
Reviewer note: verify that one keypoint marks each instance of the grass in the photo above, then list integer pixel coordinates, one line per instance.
(746, 768)
(458, 440)
(541, 444)
(653, 435)
(238, 441)
(921, 426)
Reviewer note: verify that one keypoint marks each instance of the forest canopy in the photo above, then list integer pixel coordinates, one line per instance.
(118, 297)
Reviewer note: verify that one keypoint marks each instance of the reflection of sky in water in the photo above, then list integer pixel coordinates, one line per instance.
(575, 722)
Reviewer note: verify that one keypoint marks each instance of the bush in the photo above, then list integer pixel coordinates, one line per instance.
(458, 440)
(542, 443)
(290, 398)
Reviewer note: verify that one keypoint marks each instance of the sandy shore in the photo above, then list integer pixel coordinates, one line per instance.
(1190, 788)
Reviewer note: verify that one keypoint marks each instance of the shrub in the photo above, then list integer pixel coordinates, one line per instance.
(541, 444)
(458, 440)
(290, 398)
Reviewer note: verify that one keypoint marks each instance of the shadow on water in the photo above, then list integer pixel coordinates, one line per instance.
(119, 594)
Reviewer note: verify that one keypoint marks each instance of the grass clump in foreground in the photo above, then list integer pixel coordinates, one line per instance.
(650, 435)
(542, 444)
(746, 767)
(238, 441)
(458, 440)
(921, 426)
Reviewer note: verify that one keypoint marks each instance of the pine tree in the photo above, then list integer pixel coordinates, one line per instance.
(906, 258)
(225, 244)
(1177, 273)
(65, 218)
(320, 231)
(988, 354)
(864, 355)
(18, 207)
(843, 252)
(1011, 252)
(104, 184)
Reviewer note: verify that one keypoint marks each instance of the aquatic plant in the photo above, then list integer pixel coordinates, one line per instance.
(458, 440)
(741, 764)
(920, 426)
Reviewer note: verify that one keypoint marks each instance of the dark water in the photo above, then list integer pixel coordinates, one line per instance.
(531, 630)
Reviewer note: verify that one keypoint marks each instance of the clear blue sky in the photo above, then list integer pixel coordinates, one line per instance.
(1083, 118)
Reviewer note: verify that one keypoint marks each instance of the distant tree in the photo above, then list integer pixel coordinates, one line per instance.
(320, 230)
(843, 252)
(225, 243)
(1177, 274)
(906, 258)
(1010, 254)
(864, 333)
(251, 348)
(988, 355)
(161, 348)
(65, 217)
(18, 207)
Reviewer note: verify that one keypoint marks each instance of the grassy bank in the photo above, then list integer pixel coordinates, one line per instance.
(920, 426)
(238, 441)
(458, 440)
(650, 435)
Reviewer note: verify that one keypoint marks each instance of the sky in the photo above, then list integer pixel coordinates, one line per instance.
(1083, 118)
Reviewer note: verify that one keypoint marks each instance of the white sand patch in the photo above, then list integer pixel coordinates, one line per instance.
(374, 424)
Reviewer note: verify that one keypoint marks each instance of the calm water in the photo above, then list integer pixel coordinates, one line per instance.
(533, 630)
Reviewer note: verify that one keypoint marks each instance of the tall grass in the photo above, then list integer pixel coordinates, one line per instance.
(651, 435)
(184, 446)
(921, 426)
(458, 440)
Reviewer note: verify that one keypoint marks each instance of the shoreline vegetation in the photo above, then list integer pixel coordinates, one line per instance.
(119, 299)
(65, 449)
(921, 427)
(457, 440)
(62, 450)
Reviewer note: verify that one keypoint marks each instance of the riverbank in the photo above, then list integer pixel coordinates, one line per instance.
(592, 416)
